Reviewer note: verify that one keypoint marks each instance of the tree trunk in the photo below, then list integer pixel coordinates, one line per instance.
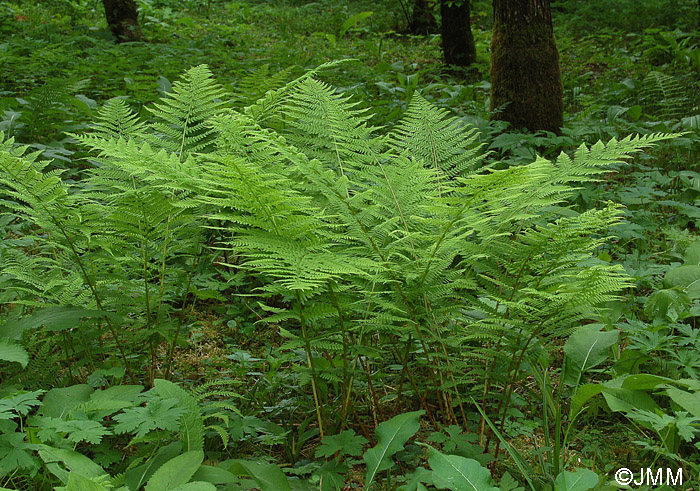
(122, 19)
(422, 19)
(457, 38)
(526, 87)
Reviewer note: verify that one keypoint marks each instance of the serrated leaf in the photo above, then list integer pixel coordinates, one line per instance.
(15, 453)
(20, 403)
(346, 442)
(158, 413)
(688, 401)
(192, 423)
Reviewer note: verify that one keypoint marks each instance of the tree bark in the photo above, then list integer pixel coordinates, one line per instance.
(422, 19)
(526, 87)
(457, 38)
(123, 20)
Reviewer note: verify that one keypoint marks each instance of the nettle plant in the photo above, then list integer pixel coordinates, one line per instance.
(410, 273)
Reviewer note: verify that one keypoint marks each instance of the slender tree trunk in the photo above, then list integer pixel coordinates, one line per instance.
(422, 18)
(123, 20)
(457, 38)
(526, 87)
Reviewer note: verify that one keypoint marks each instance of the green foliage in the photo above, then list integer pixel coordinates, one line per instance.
(457, 473)
(330, 254)
(392, 435)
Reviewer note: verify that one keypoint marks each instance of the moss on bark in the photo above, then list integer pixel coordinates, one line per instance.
(526, 87)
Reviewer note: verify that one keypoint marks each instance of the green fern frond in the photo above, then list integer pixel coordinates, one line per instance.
(116, 120)
(256, 84)
(433, 136)
(663, 96)
(185, 113)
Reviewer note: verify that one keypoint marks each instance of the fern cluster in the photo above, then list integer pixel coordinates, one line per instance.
(400, 263)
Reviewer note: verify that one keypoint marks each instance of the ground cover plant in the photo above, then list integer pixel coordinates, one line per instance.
(279, 246)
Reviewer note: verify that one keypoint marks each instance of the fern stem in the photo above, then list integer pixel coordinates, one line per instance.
(81, 266)
(346, 387)
(310, 361)
(190, 275)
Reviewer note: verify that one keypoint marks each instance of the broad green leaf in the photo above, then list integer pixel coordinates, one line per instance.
(195, 486)
(691, 256)
(578, 480)
(268, 476)
(138, 476)
(12, 352)
(57, 318)
(175, 472)
(688, 401)
(214, 475)
(634, 112)
(392, 435)
(73, 460)
(682, 276)
(352, 22)
(626, 400)
(645, 381)
(583, 394)
(458, 473)
(59, 401)
(78, 482)
(585, 349)
(192, 423)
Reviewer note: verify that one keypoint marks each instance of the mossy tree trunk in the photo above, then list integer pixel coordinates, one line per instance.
(123, 20)
(457, 38)
(526, 87)
(422, 18)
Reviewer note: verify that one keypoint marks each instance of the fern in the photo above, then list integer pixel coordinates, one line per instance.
(115, 120)
(256, 84)
(381, 250)
(663, 96)
(430, 135)
(184, 113)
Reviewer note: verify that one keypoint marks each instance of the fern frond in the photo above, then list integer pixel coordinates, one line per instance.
(663, 96)
(185, 112)
(116, 120)
(431, 135)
